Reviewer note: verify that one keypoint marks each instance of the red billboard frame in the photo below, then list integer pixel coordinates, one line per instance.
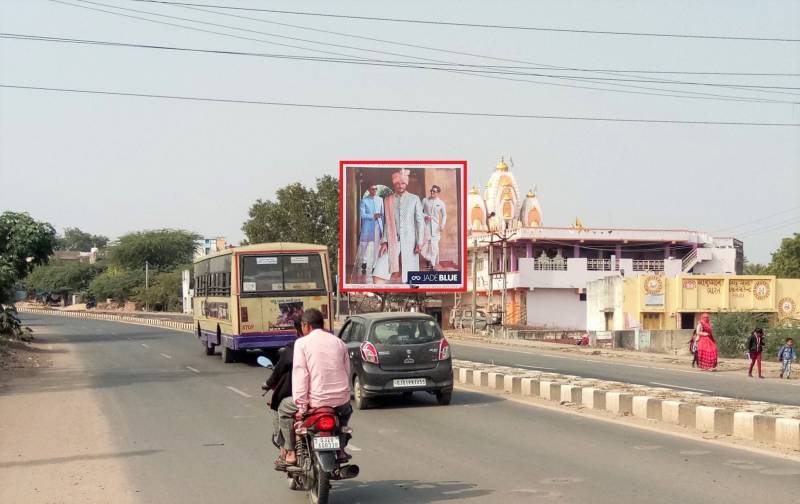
(464, 191)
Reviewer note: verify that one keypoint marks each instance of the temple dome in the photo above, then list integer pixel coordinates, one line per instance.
(531, 213)
(502, 196)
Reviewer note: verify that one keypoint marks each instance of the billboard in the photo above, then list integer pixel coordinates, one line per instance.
(402, 226)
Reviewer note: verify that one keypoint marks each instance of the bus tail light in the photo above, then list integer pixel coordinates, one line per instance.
(244, 314)
(369, 353)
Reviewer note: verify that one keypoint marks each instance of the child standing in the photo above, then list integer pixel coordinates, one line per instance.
(787, 354)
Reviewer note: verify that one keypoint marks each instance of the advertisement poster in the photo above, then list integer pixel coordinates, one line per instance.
(403, 226)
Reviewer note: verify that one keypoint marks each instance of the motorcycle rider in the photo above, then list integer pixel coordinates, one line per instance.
(320, 377)
(280, 382)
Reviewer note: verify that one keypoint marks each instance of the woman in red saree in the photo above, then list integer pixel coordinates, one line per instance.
(706, 346)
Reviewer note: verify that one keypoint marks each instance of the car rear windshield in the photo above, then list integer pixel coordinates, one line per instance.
(406, 332)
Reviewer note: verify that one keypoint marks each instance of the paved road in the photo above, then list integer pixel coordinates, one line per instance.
(725, 384)
(190, 429)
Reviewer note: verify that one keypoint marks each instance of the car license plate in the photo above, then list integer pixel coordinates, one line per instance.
(326, 443)
(410, 382)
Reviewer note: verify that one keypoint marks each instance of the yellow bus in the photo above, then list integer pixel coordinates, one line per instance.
(248, 297)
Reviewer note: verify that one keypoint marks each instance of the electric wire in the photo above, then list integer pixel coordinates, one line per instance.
(429, 48)
(670, 92)
(761, 219)
(396, 110)
(482, 25)
(373, 62)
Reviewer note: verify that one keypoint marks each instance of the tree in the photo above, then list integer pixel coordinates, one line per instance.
(298, 214)
(63, 276)
(75, 239)
(786, 260)
(116, 283)
(162, 249)
(755, 268)
(24, 243)
(165, 292)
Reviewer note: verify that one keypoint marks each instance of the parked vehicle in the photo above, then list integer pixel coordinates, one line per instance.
(319, 438)
(397, 353)
(462, 319)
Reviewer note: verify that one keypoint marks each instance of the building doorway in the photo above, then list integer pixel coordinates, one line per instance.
(687, 320)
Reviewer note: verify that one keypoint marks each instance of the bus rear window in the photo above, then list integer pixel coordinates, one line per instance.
(280, 273)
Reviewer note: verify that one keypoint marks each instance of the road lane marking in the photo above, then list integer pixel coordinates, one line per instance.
(166, 356)
(234, 389)
(145, 345)
(190, 368)
(535, 367)
(353, 447)
(682, 388)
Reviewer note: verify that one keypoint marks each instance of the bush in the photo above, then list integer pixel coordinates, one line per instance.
(10, 325)
(731, 331)
(165, 292)
(116, 283)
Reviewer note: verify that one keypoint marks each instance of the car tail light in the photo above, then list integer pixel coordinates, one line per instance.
(444, 350)
(244, 314)
(369, 353)
(326, 423)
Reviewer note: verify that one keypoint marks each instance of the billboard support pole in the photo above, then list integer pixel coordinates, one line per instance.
(474, 282)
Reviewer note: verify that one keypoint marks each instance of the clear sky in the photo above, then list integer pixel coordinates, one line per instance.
(111, 164)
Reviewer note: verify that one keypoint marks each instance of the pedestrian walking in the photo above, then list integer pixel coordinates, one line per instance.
(693, 347)
(755, 346)
(786, 355)
(706, 346)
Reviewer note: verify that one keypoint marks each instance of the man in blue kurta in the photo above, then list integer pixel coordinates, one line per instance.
(371, 212)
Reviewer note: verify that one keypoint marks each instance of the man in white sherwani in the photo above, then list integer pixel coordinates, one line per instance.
(435, 218)
(403, 231)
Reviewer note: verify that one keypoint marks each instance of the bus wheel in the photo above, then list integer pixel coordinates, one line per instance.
(209, 348)
(227, 355)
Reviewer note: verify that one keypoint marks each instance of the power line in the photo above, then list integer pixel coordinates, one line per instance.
(461, 53)
(670, 92)
(761, 219)
(480, 25)
(772, 227)
(372, 62)
(396, 110)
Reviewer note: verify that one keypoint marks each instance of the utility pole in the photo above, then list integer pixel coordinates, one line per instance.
(474, 283)
(146, 284)
(491, 274)
(504, 270)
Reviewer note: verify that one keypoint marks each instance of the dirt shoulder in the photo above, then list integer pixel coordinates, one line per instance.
(771, 369)
(55, 445)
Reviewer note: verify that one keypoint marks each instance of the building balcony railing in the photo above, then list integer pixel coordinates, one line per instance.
(548, 264)
(648, 265)
(598, 264)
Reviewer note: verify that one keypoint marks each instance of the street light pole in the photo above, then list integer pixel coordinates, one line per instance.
(146, 284)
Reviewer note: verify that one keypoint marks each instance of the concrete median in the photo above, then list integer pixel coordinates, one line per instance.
(679, 413)
(496, 381)
(512, 384)
(749, 425)
(715, 420)
(593, 398)
(530, 387)
(647, 407)
(787, 432)
(619, 403)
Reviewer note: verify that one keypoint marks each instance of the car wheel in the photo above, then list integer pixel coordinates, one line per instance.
(444, 398)
(360, 401)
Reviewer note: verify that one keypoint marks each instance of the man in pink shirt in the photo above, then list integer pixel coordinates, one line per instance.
(320, 374)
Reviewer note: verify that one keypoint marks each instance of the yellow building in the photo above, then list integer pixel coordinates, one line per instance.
(659, 302)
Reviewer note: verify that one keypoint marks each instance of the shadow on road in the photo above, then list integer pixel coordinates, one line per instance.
(67, 380)
(424, 399)
(406, 491)
(61, 460)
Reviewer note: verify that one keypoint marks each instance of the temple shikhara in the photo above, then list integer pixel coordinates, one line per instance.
(538, 275)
